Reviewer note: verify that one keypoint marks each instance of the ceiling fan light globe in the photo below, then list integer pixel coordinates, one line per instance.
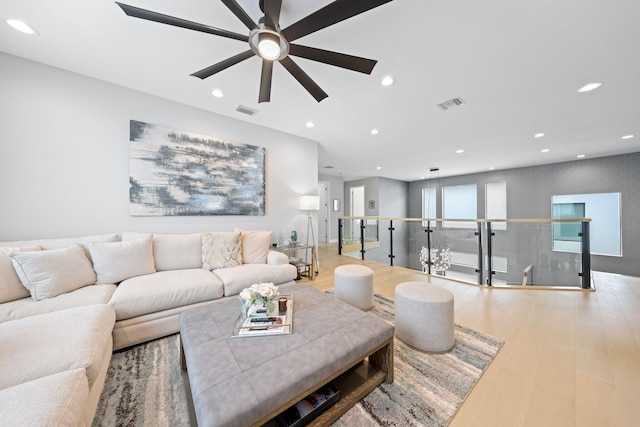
(269, 46)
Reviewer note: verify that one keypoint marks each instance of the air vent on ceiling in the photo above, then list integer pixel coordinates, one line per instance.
(246, 110)
(447, 105)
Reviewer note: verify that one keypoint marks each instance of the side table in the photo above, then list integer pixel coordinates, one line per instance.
(312, 268)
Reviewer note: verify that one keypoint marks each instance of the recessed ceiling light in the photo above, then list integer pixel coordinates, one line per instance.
(21, 26)
(580, 156)
(217, 93)
(310, 124)
(538, 135)
(379, 167)
(544, 150)
(387, 81)
(459, 151)
(422, 177)
(491, 168)
(627, 136)
(590, 87)
(374, 131)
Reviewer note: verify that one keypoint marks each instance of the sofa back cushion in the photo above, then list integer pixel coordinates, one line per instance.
(221, 249)
(117, 261)
(177, 251)
(255, 246)
(47, 274)
(11, 288)
(65, 242)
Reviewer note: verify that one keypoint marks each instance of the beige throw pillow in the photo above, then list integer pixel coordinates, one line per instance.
(50, 273)
(11, 288)
(118, 261)
(223, 249)
(255, 246)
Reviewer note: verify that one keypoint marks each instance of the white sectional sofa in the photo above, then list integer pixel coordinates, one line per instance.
(66, 304)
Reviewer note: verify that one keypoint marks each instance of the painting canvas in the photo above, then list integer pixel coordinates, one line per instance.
(181, 173)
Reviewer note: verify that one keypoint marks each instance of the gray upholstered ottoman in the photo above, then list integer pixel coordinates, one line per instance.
(424, 316)
(354, 284)
(241, 382)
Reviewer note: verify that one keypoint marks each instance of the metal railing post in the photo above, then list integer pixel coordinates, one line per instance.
(362, 227)
(340, 235)
(428, 231)
(391, 256)
(480, 269)
(586, 256)
(489, 255)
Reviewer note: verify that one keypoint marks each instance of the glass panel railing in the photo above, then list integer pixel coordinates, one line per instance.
(516, 252)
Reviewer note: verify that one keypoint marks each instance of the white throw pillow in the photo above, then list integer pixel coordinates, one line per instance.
(11, 287)
(220, 250)
(177, 251)
(255, 246)
(118, 261)
(50, 273)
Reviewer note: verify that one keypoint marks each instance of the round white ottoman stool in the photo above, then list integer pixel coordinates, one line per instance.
(354, 284)
(424, 316)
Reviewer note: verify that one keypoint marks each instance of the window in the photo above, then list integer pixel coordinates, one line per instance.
(460, 202)
(428, 204)
(604, 211)
(568, 231)
(496, 203)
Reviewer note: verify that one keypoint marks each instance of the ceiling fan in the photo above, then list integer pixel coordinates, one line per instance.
(267, 40)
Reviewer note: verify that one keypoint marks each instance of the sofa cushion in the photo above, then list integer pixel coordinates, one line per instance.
(164, 290)
(177, 251)
(25, 307)
(235, 279)
(255, 246)
(221, 249)
(118, 261)
(55, 342)
(53, 272)
(54, 400)
(11, 287)
(65, 242)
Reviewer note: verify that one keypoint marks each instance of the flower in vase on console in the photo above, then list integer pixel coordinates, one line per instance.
(259, 294)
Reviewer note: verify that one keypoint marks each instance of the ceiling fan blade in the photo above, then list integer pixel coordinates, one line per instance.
(331, 14)
(350, 62)
(265, 81)
(271, 9)
(222, 65)
(148, 15)
(240, 13)
(303, 78)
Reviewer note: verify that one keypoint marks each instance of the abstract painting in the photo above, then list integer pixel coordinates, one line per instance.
(181, 173)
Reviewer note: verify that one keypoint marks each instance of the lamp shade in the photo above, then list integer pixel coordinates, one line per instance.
(309, 203)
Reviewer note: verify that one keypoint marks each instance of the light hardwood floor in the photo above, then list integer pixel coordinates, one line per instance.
(570, 358)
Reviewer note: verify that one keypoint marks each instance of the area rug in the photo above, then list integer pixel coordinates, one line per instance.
(144, 385)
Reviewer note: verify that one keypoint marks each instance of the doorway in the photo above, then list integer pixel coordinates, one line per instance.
(323, 214)
(356, 208)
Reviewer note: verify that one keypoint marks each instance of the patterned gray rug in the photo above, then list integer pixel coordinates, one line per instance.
(144, 384)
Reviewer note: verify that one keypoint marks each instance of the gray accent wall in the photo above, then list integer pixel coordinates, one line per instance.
(529, 193)
(391, 199)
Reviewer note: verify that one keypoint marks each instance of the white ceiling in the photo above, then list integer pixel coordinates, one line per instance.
(517, 65)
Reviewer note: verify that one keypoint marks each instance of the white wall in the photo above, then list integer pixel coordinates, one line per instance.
(64, 157)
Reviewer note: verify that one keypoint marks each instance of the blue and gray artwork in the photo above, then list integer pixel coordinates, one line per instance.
(181, 173)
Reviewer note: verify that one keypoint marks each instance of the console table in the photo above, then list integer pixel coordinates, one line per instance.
(248, 381)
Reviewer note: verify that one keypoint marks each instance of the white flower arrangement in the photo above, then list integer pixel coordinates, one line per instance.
(259, 294)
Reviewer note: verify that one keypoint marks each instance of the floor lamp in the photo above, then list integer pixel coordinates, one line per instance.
(309, 204)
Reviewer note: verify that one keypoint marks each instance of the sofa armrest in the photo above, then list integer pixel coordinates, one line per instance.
(277, 258)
